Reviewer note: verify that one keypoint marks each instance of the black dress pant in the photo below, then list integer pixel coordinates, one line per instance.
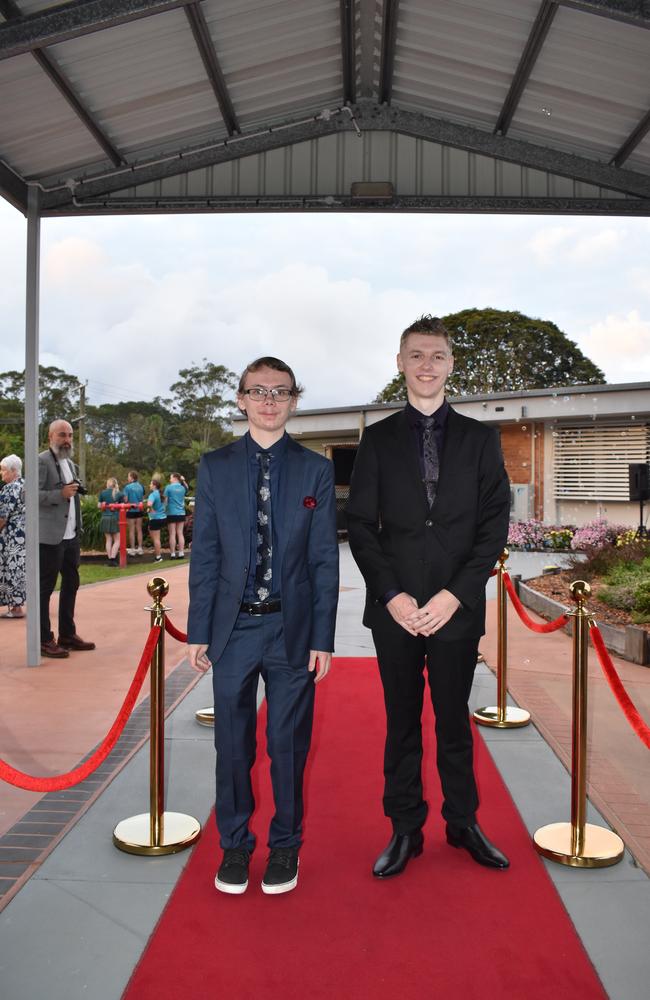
(450, 669)
(63, 558)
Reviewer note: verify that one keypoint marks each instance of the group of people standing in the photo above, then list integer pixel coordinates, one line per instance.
(165, 506)
(427, 519)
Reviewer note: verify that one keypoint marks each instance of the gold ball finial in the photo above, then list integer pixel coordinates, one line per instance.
(504, 555)
(158, 588)
(580, 591)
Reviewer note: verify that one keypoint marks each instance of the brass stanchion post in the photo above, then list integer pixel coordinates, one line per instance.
(502, 716)
(205, 716)
(578, 843)
(157, 832)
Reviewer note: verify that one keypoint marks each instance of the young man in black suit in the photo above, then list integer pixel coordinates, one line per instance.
(427, 519)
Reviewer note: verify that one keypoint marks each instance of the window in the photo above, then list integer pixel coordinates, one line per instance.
(591, 460)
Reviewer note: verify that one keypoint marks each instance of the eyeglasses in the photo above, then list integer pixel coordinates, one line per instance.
(258, 393)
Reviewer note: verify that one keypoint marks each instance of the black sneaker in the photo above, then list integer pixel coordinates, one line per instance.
(232, 876)
(281, 873)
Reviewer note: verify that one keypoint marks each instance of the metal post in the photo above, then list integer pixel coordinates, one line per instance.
(502, 716)
(122, 526)
(578, 843)
(81, 434)
(31, 427)
(157, 832)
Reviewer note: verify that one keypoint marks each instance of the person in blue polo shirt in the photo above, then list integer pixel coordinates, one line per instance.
(157, 518)
(134, 493)
(174, 499)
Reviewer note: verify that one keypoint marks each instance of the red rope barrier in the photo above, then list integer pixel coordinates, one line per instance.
(629, 709)
(519, 608)
(493, 573)
(60, 781)
(174, 632)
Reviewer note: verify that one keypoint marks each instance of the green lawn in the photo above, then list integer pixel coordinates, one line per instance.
(96, 572)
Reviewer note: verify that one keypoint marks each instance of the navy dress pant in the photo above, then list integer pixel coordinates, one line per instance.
(256, 648)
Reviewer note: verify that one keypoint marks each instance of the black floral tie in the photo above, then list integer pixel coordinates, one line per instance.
(430, 456)
(263, 569)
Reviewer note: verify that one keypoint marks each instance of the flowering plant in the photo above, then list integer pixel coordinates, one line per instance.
(526, 534)
(310, 503)
(596, 534)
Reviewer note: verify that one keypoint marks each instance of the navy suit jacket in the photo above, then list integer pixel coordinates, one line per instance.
(307, 550)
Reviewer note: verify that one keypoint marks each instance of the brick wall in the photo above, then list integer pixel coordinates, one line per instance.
(523, 453)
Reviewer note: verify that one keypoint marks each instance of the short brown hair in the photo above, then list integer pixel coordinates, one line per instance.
(277, 366)
(427, 324)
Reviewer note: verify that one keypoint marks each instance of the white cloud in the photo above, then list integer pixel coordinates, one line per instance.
(597, 247)
(127, 302)
(620, 344)
(546, 243)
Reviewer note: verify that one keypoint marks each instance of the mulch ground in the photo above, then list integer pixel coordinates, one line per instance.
(556, 586)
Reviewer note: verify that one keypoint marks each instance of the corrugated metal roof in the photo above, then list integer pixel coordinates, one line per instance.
(429, 83)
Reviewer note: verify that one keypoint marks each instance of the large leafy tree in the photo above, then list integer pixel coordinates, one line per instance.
(497, 351)
(58, 394)
(202, 400)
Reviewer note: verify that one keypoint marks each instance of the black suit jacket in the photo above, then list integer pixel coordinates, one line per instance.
(399, 544)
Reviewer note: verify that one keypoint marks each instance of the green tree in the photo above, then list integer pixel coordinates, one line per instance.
(201, 401)
(497, 351)
(58, 394)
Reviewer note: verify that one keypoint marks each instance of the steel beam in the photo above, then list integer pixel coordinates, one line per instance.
(13, 188)
(533, 47)
(206, 48)
(632, 141)
(635, 12)
(366, 60)
(371, 117)
(388, 42)
(526, 154)
(70, 20)
(31, 428)
(348, 55)
(187, 159)
(345, 203)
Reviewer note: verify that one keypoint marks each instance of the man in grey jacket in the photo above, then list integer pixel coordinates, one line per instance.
(59, 531)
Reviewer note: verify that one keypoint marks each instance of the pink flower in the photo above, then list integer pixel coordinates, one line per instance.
(310, 503)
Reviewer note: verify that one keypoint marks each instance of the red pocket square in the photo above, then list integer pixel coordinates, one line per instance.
(310, 502)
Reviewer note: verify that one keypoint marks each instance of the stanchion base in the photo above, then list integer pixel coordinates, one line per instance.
(133, 835)
(601, 847)
(513, 718)
(205, 716)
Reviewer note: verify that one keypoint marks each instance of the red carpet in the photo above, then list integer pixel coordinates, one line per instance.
(445, 928)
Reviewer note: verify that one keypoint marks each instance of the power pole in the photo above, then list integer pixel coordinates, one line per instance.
(81, 424)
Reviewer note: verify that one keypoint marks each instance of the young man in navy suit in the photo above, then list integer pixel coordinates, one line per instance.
(427, 519)
(263, 597)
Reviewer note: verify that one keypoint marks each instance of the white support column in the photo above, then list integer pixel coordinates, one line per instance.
(31, 427)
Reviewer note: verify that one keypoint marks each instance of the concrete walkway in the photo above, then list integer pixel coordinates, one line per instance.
(91, 908)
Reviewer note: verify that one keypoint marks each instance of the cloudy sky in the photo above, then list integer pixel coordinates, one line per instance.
(126, 302)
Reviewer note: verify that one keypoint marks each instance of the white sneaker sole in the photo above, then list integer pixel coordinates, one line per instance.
(275, 890)
(232, 890)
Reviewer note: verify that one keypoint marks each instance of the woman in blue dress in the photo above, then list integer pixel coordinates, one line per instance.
(13, 591)
(174, 498)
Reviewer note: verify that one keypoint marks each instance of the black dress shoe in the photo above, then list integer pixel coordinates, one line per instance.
(402, 847)
(476, 843)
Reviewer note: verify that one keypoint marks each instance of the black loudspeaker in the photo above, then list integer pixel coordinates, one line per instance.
(639, 474)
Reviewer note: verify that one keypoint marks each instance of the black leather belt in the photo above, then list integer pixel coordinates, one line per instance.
(261, 607)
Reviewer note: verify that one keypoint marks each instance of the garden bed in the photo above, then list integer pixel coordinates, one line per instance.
(549, 595)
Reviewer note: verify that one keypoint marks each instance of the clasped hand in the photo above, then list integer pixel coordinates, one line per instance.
(425, 620)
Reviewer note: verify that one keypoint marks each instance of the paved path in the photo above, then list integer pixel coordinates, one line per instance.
(93, 907)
